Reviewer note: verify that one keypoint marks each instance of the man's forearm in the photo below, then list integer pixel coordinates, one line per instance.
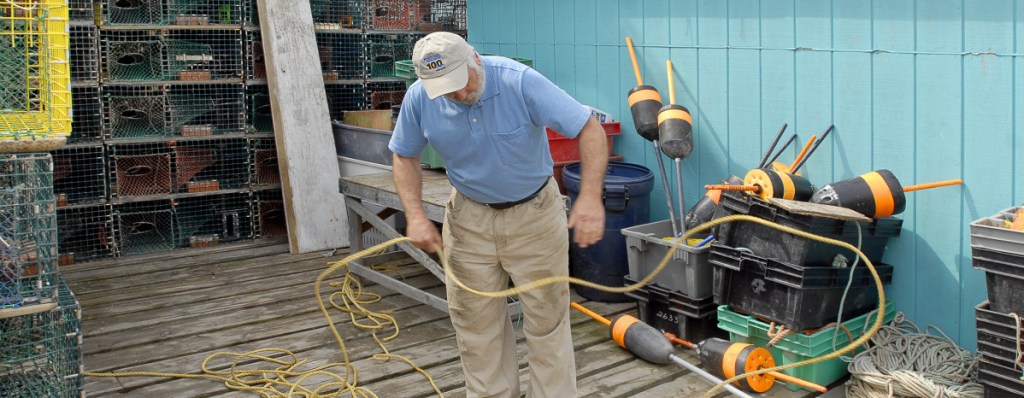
(593, 146)
(409, 184)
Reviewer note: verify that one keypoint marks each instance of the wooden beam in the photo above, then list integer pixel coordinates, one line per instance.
(314, 209)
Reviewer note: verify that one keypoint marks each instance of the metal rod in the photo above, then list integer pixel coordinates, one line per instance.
(783, 149)
(668, 195)
(702, 373)
(764, 159)
(682, 200)
(813, 148)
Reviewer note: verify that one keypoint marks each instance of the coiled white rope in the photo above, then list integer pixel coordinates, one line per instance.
(1018, 362)
(903, 362)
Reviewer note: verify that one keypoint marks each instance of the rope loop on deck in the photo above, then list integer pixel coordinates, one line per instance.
(904, 362)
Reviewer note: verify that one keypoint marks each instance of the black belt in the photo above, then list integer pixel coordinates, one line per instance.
(506, 205)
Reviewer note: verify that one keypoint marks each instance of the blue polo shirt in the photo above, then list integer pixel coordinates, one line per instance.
(497, 149)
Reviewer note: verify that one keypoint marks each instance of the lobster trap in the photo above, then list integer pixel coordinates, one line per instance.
(87, 125)
(211, 165)
(384, 49)
(258, 113)
(341, 55)
(173, 110)
(173, 12)
(264, 165)
(270, 218)
(344, 97)
(208, 220)
(255, 61)
(140, 169)
(385, 94)
(338, 14)
(84, 233)
(85, 10)
(85, 54)
(171, 54)
(420, 15)
(41, 353)
(35, 95)
(79, 175)
(143, 227)
(28, 230)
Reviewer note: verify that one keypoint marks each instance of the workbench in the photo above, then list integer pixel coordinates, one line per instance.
(378, 190)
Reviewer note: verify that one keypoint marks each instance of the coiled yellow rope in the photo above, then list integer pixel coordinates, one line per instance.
(284, 380)
(264, 381)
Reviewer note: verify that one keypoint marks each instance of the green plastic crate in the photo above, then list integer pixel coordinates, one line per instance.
(431, 159)
(799, 347)
(404, 69)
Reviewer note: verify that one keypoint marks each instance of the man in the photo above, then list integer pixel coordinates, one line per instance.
(485, 117)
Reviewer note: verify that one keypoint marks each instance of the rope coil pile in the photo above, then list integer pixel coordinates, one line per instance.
(903, 362)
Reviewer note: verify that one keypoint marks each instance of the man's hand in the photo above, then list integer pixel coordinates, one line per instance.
(423, 234)
(587, 220)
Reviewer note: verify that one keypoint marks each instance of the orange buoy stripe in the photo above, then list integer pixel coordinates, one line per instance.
(644, 95)
(674, 114)
(619, 327)
(884, 205)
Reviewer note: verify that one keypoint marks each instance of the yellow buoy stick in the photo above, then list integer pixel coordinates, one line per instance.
(671, 83)
(632, 57)
(931, 185)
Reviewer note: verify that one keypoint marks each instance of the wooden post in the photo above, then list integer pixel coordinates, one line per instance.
(314, 208)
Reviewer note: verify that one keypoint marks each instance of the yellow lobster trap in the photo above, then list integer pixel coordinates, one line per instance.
(35, 92)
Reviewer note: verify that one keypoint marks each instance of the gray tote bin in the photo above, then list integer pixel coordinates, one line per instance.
(688, 271)
(988, 233)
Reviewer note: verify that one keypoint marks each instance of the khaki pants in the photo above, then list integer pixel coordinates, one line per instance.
(486, 247)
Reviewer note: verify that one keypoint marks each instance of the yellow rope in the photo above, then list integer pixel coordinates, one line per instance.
(264, 381)
(283, 379)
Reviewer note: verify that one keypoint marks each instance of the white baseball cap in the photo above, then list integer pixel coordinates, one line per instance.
(440, 60)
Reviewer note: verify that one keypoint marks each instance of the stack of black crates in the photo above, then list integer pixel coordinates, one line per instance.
(752, 278)
(999, 251)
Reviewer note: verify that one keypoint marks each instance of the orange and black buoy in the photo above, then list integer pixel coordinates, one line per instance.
(675, 132)
(727, 359)
(704, 210)
(776, 184)
(644, 101)
(875, 194)
(644, 104)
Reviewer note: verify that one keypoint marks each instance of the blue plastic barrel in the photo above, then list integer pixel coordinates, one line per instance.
(627, 188)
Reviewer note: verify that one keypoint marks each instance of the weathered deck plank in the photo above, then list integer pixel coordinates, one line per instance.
(166, 313)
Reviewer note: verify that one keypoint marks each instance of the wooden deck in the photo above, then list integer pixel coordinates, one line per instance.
(167, 312)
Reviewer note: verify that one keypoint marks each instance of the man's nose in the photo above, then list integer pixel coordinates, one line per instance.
(460, 95)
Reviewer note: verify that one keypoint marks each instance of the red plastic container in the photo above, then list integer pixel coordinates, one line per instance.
(568, 150)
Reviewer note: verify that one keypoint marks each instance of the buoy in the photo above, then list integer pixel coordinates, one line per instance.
(675, 132)
(875, 194)
(704, 210)
(726, 359)
(780, 185)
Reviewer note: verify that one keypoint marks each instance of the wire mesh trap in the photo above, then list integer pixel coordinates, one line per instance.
(143, 227)
(178, 54)
(41, 354)
(140, 169)
(344, 97)
(173, 12)
(35, 95)
(87, 125)
(79, 175)
(258, 113)
(84, 233)
(174, 110)
(386, 95)
(264, 164)
(270, 218)
(28, 230)
(338, 14)
(341, 55)
(211, 165)
(208, 220)
(85, 54)
(384, 49)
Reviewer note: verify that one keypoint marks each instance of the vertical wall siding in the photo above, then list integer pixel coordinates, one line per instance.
(926, 89)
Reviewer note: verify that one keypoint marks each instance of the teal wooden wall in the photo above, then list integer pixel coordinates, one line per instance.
(928, 90)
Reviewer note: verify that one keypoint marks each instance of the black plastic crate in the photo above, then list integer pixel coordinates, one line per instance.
(992, 321)
(1004, 275)
(798, 297)
(669, 311)
(1005, 381)
(770, 243)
